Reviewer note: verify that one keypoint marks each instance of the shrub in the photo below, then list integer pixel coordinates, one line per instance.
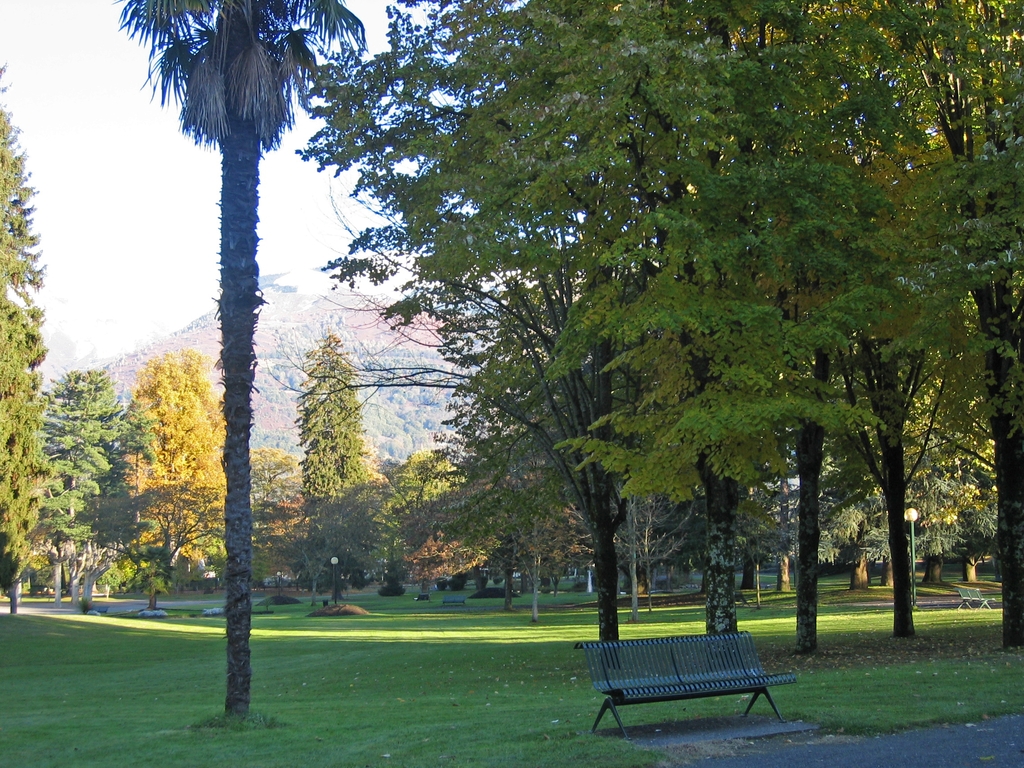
(84, 606)
(391, 589)
(579, 586)
(441, 584)
(458, 582)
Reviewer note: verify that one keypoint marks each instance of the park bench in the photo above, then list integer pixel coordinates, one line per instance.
(422, 596)
(674, 668)
(453, 600)
(968, 597)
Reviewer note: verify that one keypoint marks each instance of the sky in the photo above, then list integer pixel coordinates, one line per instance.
(127, 207)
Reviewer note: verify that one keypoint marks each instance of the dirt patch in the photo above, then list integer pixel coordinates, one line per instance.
(341, 610)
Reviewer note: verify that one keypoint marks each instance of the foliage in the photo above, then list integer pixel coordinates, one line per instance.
(21, 339)
(330, 423)
(87, 519)
(182, 484)
(152, 571)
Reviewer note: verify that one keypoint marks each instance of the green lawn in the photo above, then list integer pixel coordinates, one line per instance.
(414, 684)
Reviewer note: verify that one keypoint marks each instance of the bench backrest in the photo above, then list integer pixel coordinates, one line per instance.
(676, 660)
(969, 594)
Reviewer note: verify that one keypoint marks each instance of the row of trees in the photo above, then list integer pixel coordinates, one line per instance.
(686, 249)
(123, 478)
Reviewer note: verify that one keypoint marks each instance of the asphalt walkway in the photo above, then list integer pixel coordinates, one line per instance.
(736, 742)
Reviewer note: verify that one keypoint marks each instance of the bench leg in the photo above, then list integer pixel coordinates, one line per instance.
(771, 701)
(610, 705)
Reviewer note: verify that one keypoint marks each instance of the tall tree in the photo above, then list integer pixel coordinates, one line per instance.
(83, 427)
(182, 485)
(330, 423)
(21, 340)
(960, 66)
(235, 67)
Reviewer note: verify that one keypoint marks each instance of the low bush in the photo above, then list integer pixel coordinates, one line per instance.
(391, 589)
(458, 582)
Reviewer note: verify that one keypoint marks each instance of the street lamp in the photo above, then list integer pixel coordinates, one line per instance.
(911, 516)
(278, 582)
(334, 565)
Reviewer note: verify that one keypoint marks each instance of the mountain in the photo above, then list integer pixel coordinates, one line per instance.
(300, 309)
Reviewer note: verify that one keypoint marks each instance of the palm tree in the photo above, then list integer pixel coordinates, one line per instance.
(236, 67)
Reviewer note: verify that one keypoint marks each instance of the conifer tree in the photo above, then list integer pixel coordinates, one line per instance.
(330, 423)
(22, 343)
(83, 427)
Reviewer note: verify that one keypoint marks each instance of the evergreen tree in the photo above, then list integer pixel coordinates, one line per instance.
(22, 343)
(330, 423)
(83, 426)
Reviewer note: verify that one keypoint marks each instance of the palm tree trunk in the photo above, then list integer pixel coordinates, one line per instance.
(239, 305)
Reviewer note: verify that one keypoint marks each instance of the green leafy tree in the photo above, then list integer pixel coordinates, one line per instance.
(83, 427)
(21, 462)
(330, 423)
(959, 69)
(235, 68)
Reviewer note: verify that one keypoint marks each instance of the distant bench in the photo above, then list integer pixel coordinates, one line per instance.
(453, 600)
(968, 597)
(674, 668)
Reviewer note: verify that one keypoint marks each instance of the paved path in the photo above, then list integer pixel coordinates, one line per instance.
(997, 742)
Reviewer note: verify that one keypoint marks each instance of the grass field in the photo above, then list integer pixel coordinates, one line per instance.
(414, 684)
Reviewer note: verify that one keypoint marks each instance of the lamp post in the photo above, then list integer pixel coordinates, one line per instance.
(278, 582)
(911, 516)
(334, 566)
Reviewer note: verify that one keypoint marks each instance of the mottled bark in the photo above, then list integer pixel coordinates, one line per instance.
(239, 304)
(809, 456)
(722, 497)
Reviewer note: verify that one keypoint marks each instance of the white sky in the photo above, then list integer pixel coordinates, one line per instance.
(126, 207)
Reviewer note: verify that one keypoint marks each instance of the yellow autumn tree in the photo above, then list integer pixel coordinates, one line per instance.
(182, 485)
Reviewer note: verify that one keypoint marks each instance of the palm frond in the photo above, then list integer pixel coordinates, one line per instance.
(204, 115)
(257, 91)
(330, 21)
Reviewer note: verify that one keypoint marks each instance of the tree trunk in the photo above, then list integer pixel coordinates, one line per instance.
(895, 492)
(722, 496)
(14, 593)
(606, 574)
(508, 588)
(535, 610)
(747, 580)
(886, 578)
(809, 456)
(782, 583)
(970, 572)
(238, 309)
(479, 578)
(932, 569)
(1009, 460)
(57, 586)
(859, 578)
